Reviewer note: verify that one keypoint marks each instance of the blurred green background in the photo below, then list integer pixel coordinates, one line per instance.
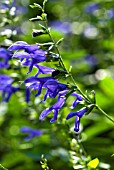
(88, 47)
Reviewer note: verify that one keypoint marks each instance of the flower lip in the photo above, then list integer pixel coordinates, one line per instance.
(79, 113)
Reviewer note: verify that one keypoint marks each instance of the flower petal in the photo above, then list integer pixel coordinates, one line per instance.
(45, 113)
(77, 124)
(55, 116)
(21, 55)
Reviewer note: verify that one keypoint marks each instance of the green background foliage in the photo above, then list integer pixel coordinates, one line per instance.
(97, 134)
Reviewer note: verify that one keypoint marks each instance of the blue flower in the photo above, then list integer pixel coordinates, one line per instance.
(5, 81)
(7, 92)
(34, 83)
(91, 8)
(91, 59)
(53, 88)
(61, 26)
(22, 45)
(5, 56)
(31, 53)
(31, 132)
(110, 13)
(78, 115)
(6, 87)
(77, 100)
(41, 69)
(56, 107)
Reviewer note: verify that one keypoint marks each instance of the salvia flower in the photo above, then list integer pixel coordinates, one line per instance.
(61, 26)
(55, 108)
(7, 92)
(91, 60)
(31, 132)
(6, 87)
(5, 56)
(78, 115)
(4, 81)
(31, 53)
(77, 100)
(110, 13)
(91, 8)
(53, 88)
(41, 69)
(34, 83)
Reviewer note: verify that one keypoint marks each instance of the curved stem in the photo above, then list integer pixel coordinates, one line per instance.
(104, 113)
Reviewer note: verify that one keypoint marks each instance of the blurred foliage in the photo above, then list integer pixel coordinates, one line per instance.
(88, 46)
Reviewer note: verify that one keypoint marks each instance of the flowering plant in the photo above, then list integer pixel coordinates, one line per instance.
(49, 79)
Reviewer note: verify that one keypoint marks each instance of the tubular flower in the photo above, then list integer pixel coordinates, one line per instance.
(4, 81)
(31, 53)
(78, 115)
(53, 88)
(8, 91)
(34, 84)
(6, 87)
(56, 107)
(4, 56)
(77, 100)
(31, 132)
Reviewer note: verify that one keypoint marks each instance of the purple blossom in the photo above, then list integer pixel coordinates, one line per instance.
(13, 8)
(7, 92)
(91, 8)
(34, 83)
(43, 70)
(110, 13)
(91, 59)
(31, 54)
(6, 87)
(53, 88)
(5, 56)
(55, 108)
(61, 26)
(78, 115)
(5, 81)
(77, 100)
(31, 132)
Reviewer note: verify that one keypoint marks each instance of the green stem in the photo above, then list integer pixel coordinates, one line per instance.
(3, 167)
(62, 63)
(102, 111)
(61, 60)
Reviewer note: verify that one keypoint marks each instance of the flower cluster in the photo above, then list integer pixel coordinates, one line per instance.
(5, 81)
(32, 56)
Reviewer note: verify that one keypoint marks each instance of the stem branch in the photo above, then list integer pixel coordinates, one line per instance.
(104, 113)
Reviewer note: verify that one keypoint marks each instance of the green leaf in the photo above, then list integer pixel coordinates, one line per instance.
(36, 6)
(59, 41)
(44, 3)
(38, 18)
(46, 44)
(43, 27)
